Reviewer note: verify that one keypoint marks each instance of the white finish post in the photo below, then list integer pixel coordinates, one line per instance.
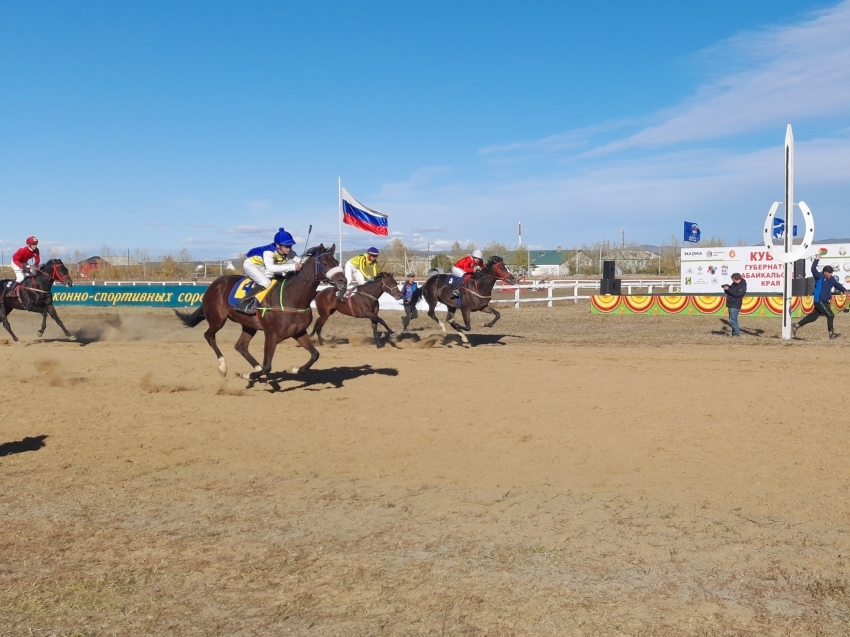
(339, 190)
(575, 294)
(551, 287)
(516, 298)
(789, 233)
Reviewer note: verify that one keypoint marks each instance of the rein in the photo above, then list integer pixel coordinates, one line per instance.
(300, 310)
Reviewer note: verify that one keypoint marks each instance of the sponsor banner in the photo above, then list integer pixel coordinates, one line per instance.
(168, 296)
(130, 295)
(705, 270)
(665, 305)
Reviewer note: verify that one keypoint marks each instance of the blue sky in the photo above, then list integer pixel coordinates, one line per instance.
(206, 125)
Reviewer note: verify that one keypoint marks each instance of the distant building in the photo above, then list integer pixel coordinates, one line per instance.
(546, 262)
(87, 266)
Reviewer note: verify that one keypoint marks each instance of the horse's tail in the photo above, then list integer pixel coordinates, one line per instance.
(417, 294)
(191, 320)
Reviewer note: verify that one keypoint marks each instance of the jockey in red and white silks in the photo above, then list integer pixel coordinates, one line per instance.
(21, 258)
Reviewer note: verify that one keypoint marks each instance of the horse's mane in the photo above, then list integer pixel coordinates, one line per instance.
(493, 261)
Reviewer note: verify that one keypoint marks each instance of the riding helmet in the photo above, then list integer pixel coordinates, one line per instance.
(372, 251)
(283, 238)
(31, 241)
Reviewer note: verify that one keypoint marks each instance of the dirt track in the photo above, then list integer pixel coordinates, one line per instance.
(569, 475)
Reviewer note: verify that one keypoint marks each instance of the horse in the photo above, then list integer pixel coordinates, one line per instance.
(34, 295)
(283, 313)
(361, 303)
(474, 295)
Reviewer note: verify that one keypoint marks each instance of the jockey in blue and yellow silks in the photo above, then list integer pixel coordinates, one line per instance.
(264, 262)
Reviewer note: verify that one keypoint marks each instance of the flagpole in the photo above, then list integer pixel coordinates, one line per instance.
(340, 218)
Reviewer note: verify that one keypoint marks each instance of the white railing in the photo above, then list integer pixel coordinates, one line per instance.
(628, 287)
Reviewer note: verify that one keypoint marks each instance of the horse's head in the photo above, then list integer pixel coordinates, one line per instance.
(320, 265)
(496, 268)
(390, 285)
(57, 272)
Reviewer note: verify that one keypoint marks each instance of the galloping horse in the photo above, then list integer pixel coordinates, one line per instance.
(34, 295)
(474, 295)
(361, 303)
(284, 313)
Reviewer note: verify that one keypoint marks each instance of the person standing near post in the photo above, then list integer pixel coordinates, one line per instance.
(734, 299)
(825, 282)
(407, 290)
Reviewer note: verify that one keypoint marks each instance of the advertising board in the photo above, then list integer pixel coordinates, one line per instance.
(705, 270)
(130, 296)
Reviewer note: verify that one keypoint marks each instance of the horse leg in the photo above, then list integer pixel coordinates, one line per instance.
(320, 323)
(51, 309)
(303, 339)
(464, 312)
(242, 347)
(269, 348)
(433, 315)
(43, 323)
(4, 318)
(491, 310)
(214, 324)
(378, 343)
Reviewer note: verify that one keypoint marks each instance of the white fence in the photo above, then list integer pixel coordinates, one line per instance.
(577, 287)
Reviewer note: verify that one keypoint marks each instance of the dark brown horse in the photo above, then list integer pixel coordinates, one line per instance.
(34, 295)
(361, 303)
(474, 295)
(284, 313)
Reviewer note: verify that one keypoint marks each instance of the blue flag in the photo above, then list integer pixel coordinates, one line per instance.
(779, 228)
(692, 232)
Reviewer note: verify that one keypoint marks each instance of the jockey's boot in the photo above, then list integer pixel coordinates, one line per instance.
(248, 303)
(458, 282)
(340, 295)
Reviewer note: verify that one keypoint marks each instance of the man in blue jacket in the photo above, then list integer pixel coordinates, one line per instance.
(825, 282)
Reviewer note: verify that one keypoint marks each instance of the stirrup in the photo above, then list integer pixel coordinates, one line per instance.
(247, 306)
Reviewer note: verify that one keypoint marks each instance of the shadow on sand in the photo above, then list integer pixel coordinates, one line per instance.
(20, 446)
(313, 378)
(727, 330)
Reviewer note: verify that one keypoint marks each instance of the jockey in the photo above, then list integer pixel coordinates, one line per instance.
(21, 258)
(265, 262)
(470, 264)
(360, 269)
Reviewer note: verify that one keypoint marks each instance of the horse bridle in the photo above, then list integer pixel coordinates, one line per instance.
(319, 266)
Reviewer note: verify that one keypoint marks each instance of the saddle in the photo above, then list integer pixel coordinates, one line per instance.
(243, 288)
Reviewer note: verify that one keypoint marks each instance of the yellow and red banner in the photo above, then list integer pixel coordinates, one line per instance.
(703, 305)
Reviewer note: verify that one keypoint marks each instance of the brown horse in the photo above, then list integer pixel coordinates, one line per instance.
(361, 303)
(474, 295)
(34, 295)
(284, 313)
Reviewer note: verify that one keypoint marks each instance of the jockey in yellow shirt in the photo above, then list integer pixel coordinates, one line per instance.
(360, 269)
(263, 263)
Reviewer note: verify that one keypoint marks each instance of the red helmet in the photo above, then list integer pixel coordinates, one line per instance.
(32, 241)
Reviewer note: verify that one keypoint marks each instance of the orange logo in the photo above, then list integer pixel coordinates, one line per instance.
(731, 254)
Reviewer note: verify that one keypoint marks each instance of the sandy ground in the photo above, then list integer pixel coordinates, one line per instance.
(569, 475)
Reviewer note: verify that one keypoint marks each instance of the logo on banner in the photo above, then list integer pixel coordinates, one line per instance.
(724, 269)
(842, 251)
(709, 254)
(731, 254)
(688, 280)
(711, 269)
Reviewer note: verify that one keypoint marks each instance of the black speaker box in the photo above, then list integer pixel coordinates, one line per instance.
(803, 287)
(610, 286)
(609, 270)
(800, 269)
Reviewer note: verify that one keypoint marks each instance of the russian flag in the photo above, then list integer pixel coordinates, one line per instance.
(356, 214)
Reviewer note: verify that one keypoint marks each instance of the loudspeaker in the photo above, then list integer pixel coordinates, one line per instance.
(610, 286)
(803, 287)
(800, 269)
(609, 270)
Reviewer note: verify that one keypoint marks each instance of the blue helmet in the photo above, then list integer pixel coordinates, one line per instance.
(372, 251)
(283, 238)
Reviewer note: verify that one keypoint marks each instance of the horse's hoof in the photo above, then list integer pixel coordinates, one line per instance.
(295, 370)
(72, 338)
(249, 376)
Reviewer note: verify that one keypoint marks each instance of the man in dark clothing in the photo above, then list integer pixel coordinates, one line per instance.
(825, 282)
(407, 290)
(734, 298)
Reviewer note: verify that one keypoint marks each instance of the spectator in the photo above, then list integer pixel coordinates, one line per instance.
(407, 290)
(734, 298)
(825, 282)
